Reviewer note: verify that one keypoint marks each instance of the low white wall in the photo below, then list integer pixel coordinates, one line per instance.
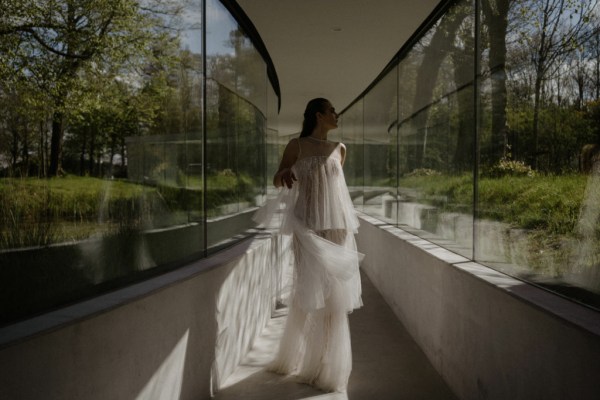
(490, 336)
(160, 339)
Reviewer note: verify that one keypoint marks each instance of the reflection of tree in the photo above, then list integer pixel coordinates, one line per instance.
(20, 111)
(587, 251)
(548, 31)
(537, 66)
(52, 47)
(434, 53)
(495, 14)
(236, 122)
(462, 60)
(595, 55)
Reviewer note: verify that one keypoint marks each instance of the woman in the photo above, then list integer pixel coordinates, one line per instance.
(319, 215)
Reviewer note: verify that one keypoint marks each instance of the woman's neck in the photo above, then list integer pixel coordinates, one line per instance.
(319, 133)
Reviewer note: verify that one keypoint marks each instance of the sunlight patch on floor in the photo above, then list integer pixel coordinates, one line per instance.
(166, 381)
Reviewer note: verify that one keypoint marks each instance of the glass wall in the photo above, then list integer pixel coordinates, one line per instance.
(484, 138)
(150, 154)
(380, 148)
(352, 134)
(236, 93)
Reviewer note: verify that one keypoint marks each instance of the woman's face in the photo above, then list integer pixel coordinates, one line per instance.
(329, 117)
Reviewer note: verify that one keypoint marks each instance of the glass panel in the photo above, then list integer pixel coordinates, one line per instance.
(353, 138)
(436, 133)
(272, 142)
(380, 148)
(539, 174)
(121, 199)
(129, 200)
(251, 157)
(236, 128)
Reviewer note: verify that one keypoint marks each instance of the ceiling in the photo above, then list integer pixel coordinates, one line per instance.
(331, 48)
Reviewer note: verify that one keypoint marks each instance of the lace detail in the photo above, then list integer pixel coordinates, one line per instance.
(322, 200)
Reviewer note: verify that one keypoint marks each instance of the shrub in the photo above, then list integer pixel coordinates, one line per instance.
(422, 172)
(507, 167)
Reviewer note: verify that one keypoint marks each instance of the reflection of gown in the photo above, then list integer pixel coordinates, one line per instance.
(318, 212)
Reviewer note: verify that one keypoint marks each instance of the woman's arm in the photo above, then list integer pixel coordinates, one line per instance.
(343, 152)
(284, 175)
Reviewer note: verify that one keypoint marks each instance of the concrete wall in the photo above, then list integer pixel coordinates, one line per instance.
(160, 339)
(490, 336)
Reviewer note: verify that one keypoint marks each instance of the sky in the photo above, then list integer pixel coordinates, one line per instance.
(219, 24)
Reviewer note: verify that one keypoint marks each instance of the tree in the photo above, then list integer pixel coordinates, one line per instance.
(435, 50)
(52, 43)
(495, 14)
(549, 30)
(462, 55)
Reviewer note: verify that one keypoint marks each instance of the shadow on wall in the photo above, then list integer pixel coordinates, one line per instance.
(165, 338)
(243, 308)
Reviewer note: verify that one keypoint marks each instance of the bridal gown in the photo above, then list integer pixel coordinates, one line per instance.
(319, 215)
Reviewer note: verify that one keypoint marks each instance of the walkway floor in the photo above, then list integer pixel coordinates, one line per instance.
(387, 363)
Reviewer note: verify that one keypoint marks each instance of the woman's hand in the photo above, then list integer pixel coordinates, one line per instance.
(284, 175)
(287, 177)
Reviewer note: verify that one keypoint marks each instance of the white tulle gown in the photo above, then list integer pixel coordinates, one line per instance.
(319, 214)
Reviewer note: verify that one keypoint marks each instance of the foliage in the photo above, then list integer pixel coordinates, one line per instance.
(422, 172)
(36, 212)
(31, 210)
(593, 115)
(549, 203)
(60, 55)
(506, 167)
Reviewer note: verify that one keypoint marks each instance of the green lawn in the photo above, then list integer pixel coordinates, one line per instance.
(550, 203)
(38, 212)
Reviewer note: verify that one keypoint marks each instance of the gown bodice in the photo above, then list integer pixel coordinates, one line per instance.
(322, 201)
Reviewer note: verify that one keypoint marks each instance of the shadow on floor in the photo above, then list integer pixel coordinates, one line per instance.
(387, 363)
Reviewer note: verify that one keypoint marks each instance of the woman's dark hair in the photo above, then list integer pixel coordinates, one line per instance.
(310, 115)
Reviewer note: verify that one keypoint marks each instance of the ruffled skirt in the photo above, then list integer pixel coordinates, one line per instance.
(316, 341)
(326, 287)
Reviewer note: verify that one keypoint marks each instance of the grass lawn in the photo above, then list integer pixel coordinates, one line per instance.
(39, 212)
(550, 203)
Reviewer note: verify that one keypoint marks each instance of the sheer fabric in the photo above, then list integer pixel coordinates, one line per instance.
(319, 214)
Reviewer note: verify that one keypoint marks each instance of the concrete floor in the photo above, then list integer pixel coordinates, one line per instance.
(387, 363)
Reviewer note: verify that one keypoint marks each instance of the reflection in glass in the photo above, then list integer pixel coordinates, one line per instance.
(380, 148)
(129, 201)
(436, 133)
(352, 137)
(526, 124)
(538, 216)
(236, 112)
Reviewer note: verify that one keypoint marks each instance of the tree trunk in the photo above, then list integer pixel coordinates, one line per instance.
(56, 144)
(536, 120)
(92, 151)
(82, 153)
(14, 148)
(497, 22)
(25, 151)
(462, 59)
(598, 66)
(123, 173)
(113, 149)
(434, 54)
(41, 151)
(580, 88)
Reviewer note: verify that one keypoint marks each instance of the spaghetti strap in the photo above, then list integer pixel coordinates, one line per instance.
(299, 148)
